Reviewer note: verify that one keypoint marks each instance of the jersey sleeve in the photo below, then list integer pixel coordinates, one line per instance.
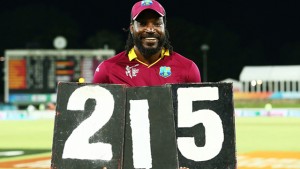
(194, 74)
(101, 75)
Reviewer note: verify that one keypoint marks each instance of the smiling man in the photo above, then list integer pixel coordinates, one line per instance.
(148, 58)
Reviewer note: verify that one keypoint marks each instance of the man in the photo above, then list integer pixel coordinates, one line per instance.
(149, 59)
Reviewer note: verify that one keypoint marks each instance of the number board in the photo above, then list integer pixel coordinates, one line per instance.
(150, 140)
(204, 118)
(89, 126)
(99, 125)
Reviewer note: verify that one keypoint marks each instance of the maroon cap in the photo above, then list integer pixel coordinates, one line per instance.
(146, 4)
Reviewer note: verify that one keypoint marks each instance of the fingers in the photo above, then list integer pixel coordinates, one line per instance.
(184, 168)
(104, 168)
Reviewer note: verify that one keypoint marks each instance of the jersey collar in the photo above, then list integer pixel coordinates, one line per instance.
(132, 55)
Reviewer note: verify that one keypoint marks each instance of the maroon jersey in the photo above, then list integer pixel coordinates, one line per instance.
(127, 69)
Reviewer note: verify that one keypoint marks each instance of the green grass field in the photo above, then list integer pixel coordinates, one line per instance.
(267, 134)
(255, 136)
(26, 134)
(252, 134)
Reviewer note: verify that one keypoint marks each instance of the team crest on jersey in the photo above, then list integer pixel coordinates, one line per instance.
(131, 71)
(165, 71)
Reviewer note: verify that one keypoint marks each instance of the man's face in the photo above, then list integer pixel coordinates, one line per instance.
(148, 32)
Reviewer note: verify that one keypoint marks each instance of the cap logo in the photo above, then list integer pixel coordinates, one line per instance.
(165, 71)
(146, 2)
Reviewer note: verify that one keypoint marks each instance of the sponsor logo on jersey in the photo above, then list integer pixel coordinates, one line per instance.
(131, 71)
(165, 71)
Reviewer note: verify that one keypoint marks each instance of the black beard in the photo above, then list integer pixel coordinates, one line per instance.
(146, 52)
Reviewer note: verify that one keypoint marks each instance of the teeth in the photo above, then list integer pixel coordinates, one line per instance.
(151, 38)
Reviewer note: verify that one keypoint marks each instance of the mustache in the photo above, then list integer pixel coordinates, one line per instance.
(148, 35)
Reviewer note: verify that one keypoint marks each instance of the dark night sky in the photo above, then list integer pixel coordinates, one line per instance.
(270, 26)
(275, 22)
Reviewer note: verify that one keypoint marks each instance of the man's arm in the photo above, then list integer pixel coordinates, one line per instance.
(193, 74)
(101, 74)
